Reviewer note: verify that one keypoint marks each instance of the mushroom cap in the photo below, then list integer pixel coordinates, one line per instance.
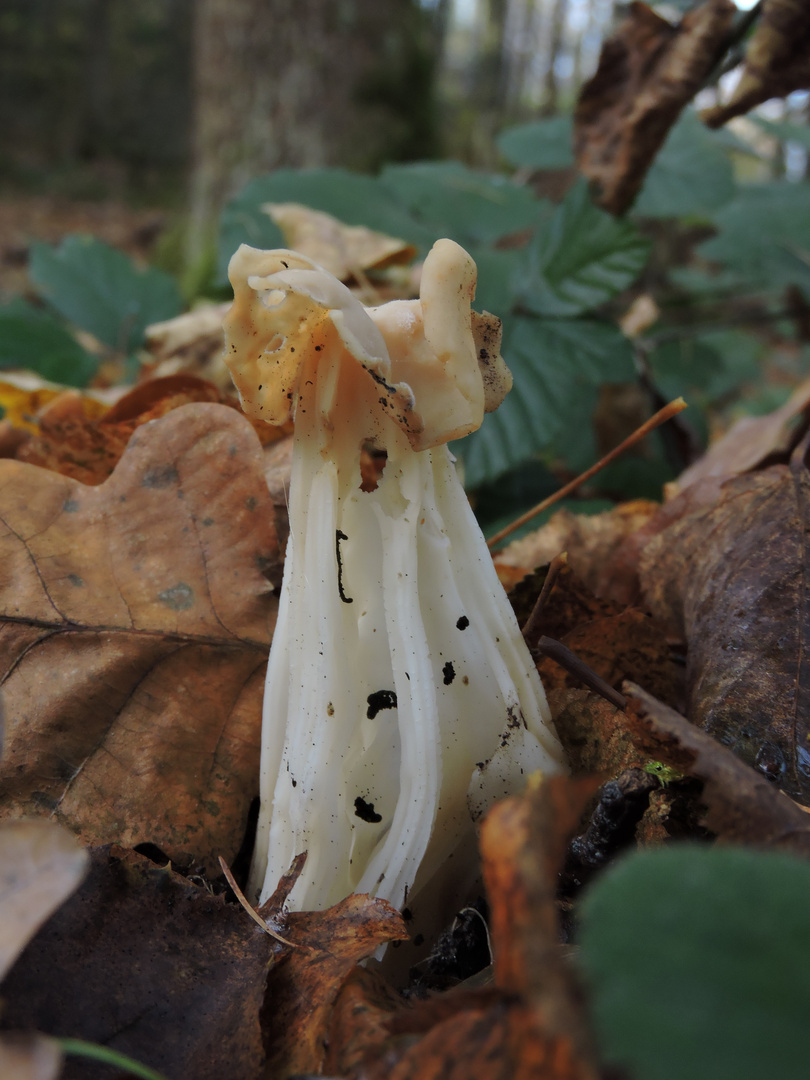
(436, 364)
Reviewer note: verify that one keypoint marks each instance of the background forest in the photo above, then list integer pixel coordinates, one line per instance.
(632, 181)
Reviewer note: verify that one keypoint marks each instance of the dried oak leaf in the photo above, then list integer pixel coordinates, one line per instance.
(146, 963)
(41, 863)
(777, 60)
(302, 990)
(593, 732)
(595, 544)
(734, 575)
(742, 806)
(134, 630)
(648, 71)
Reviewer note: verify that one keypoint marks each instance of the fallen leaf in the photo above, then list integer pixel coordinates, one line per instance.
(749, 442)
(742, 806)
(343, 250)
(135, 630)
(88, 447)
(146, 963)
(191, 343)
(595, 544)
(41, 863)
(648, 71)
(776, 60)
(302, 990)
(29, 1056)
(734, 575)
(593, 732)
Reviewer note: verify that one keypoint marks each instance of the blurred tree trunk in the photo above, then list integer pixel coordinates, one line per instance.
(302, 83)
(559, 13)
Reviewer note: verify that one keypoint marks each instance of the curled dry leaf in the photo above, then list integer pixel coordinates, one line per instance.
(29, 1056)
(142, 961)
(343, 250)
(647, 73)
(41, 863)
(777, 60)
(135, 631)
(733, 575)
(191, 343)
(742, 805)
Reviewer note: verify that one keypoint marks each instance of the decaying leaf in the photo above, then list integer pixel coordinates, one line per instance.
(343, 250)
(593, 544)
(192, 343)
(743, 807)
(302, 989)
(647, 73)
(135, 622)
(749, 442)
(41, 863)
(777, 60)
(78, 442)
(29, 1056)
(734, 575)
(146, 963)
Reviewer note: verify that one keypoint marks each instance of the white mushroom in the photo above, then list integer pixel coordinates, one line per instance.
(401, 699)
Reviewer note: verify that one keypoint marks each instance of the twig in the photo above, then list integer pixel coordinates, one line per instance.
(562, 655)
(674, 407)
(240, 896)
(529, 630)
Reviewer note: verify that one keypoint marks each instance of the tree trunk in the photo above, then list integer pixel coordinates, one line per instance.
(300, 83)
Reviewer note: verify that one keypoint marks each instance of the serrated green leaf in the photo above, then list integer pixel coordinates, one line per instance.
(696, 959)
(100, 290)
(691, 176)
(449, 199)
(35, 342)
(542, 144)
(764, 234)
(580, 258)
(553, 362)
(352, 198)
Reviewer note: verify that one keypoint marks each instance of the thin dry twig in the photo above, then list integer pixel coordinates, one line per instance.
(529, 630)
(668, 411)
(243, 900)
(562, 655)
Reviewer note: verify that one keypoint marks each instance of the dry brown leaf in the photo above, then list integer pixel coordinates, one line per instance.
(595, 546)
(647, 73)
(135, 623)
(144, 962)
(743, 807)
(733, 574)
(41, 863)
(341, 249)
(777, 60)
(302, 990)
(29, 1056)
(593, 732)
(748, 443)
(192, 343)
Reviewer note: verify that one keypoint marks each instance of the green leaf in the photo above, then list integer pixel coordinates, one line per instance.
(764, 234)
(102, 291)
(449, 199)
(554, 362)
(542, 144)
(697, 963)
(352, 198)
(691, 176)
(580, 258)
(35, 342)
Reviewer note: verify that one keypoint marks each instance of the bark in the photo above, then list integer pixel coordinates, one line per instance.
(297, 83)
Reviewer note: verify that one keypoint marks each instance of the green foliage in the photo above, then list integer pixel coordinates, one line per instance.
(31, 339)
(100, 290)
(696, 959)
(764, 235)
(542, 144)
(580, 258)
